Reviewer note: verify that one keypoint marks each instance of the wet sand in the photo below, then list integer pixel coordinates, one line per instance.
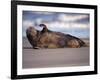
(60, 57)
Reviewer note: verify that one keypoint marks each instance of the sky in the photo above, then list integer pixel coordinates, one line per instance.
(76, 24)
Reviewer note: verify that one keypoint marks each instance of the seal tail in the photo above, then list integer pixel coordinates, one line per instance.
(86, 45)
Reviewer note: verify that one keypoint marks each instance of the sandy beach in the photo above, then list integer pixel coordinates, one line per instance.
(60, 57)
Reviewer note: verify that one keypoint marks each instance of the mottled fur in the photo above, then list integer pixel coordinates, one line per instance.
(50, 39)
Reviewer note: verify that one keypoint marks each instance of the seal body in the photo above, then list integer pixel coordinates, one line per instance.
(50, 39)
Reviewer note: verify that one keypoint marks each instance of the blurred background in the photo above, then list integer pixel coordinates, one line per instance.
(76, 24)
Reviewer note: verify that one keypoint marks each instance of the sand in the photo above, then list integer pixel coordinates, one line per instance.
(60, 57)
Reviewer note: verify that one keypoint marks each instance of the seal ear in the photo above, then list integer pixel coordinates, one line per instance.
(44, 28)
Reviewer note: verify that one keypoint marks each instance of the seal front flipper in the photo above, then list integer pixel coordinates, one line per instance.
(36, 47)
